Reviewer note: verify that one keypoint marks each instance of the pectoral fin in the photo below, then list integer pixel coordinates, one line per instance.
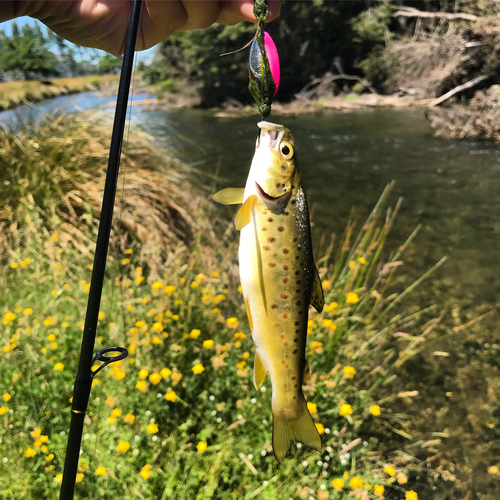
(307, 373)
(244, 215)
(317, 298)
(259, 371)
(229, 196)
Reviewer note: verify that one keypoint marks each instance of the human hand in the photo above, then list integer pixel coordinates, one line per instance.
(102, 24)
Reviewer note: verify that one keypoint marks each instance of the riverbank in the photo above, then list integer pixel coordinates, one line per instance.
(13, 94)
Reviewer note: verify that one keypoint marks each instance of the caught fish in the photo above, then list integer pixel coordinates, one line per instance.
(279, 280)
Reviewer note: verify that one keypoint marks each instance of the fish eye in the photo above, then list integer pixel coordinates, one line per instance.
(286, 150)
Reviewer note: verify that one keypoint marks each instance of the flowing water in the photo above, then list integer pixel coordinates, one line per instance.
(450, 187)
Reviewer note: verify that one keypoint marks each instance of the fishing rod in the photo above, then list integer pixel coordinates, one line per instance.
(83, 382)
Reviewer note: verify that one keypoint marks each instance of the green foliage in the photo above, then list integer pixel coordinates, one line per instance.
(109, 64)
(373, 24)
(26, 51)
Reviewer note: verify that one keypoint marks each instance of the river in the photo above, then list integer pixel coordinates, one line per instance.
(450, 187)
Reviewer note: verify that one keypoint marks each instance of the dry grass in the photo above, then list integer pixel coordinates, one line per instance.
(52, 179)
(14, 93)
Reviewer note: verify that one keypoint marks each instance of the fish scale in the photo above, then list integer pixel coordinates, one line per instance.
(279, 280)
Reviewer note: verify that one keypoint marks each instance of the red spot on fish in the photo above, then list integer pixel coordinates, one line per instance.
(285, 250)
(264, 229)
(266, 248)
(286, 366)
(271, 264)
(281, 229)
(285, 280)
(285, 343)
(285, 268)
(282, 336)
(284, 296)
(276, 324)
(284, 315)
(269, 219)
(271, 240)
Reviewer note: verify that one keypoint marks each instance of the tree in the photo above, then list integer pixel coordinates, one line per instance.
(109, 64)
(26, 51)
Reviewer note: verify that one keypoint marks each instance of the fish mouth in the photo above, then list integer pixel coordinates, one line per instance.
(276, 204)
(269, 134)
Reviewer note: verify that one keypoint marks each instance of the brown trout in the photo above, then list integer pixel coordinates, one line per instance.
(279, 280)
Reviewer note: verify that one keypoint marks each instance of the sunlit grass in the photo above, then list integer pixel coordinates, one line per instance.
(180, 415)
(14, 93)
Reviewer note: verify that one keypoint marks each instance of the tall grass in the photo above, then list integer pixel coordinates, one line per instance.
(180, 417)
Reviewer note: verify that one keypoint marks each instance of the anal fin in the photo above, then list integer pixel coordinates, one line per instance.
(259, 371)
(307, 373)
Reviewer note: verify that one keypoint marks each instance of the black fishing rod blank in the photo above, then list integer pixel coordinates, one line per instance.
(83, 382)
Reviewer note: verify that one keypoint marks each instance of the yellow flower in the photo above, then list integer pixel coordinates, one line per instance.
(338, 484)
(367, 486)
(152, 428)
(53, 345)
(352, 298)
(331, 307)
(146, 472)
(110, 401)
(111, 420)
(156, 340)
(53, 293)
(390, 470)
(165, 372)
(102, 315)
(411, 495)
(50, 457)
(232, 322)
(79, 477)
(327, 285)
(51, 337)
(208, 344)
(7, 396)
(349, 371)
(48, 321)
(195, 333)
(30, 452)
(125, 261)
(345, 410)
(157, 285)
(155, 378)
(402, 478)
(129, 418)
(352, 264)
(116, 412)
(58, 478)
(139, 280)
(312, 407)
(195, 284)
(123, 446)
(44, 439)
(128, 251)
(171, 396)
(317, 346)
(362, 260)
(14, 265)
(59, 367)
(100, 471)
(176, 377)
(86, 288)
(65, 324)
(375, 410)
(198, 368)
(201, 446)
(214, 274)
(143, 373)
(245, 355)
(321, 428)
(8, 318)
(379, 490)
(28, 311)
(35, 434)
(239, 335)
(54, 237)
(356, 482)
(491, 470)
(241, 365)
(4, 410)
(157, 327)
(142, 385)
(346, 475)
(169, 290)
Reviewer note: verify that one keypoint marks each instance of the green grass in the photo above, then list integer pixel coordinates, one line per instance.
(180, 417)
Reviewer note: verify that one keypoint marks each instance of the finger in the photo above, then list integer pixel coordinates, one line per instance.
(159, 20)
(200, 14)
(244, 9)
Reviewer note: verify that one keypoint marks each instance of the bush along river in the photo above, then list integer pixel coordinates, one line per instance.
(450, 187)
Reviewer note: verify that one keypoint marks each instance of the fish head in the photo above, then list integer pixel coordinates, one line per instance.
(274, 164)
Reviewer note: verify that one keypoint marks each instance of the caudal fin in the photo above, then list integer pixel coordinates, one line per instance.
(286, 432)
